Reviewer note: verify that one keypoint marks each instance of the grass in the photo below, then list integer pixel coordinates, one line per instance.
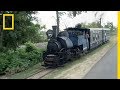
(27, 73)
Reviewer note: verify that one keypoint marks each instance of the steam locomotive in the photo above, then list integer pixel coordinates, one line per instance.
(72, 43)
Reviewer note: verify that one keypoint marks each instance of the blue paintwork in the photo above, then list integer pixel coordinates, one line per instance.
(74, 39)
(79, 40)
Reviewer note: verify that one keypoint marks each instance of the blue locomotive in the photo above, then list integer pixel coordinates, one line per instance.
(71, 43)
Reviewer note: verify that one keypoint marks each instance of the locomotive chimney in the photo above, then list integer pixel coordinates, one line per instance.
(55, 31)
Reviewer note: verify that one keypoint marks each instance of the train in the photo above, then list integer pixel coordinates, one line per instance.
(71, 43)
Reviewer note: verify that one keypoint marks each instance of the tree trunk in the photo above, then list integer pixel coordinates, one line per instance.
(1, 36)
(57, 15)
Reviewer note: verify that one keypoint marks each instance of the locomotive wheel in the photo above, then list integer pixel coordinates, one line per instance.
(61, 63)
(57, 62)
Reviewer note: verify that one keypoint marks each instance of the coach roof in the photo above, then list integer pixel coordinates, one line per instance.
(74, 29)
(99, 28)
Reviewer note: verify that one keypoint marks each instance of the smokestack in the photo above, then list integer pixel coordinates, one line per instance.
(55, 31)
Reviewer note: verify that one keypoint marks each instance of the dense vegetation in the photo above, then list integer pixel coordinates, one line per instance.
(25, 30)
(13, 61)
(12, 58)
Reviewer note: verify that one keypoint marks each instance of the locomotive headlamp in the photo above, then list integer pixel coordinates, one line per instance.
(49, 33)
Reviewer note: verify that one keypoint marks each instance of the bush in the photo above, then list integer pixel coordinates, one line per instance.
(17, 65)
(34, 57)
(3, 49)
(16, 61)
(30, 47)
(3, 63)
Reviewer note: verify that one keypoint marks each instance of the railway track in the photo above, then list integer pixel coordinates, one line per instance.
(43, 72)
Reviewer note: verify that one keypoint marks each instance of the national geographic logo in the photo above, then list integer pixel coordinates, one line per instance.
(9, 17)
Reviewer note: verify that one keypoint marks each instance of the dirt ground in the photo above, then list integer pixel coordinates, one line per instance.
(80, 69)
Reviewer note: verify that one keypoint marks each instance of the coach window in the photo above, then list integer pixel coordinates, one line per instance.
(98, 36)
(93, 37)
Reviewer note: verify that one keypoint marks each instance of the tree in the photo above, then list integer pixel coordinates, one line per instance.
(1, 32)
(74, 13)
(100, 17)
(70, 14)
(1, 36)
(57, 15)
(24, 30)
(110, 26)
(96, 24)
(91, 25)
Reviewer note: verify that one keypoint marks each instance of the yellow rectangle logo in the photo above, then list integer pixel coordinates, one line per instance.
(8, 15)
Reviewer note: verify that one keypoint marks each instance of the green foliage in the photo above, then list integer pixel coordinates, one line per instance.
(94, 25)
(21, 59)
(78, 25)
(74, 13)
(91, 25)
(110, 26)
(30, 47)
(24, 30)
(3, 62)
(12, 59)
